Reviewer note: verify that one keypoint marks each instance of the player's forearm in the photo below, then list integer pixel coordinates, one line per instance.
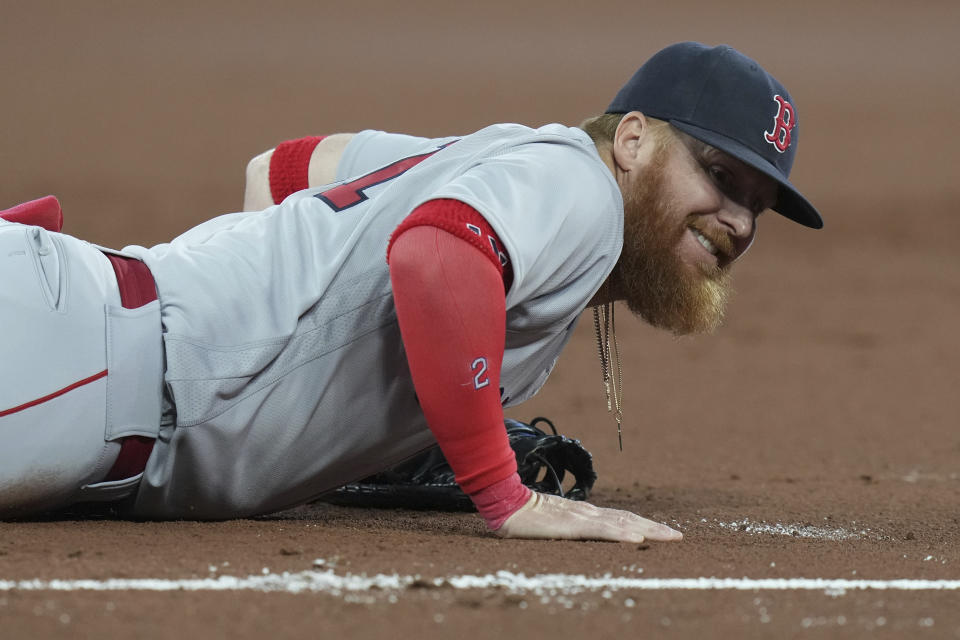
(453, 333)
(293, 165)
(450, 307)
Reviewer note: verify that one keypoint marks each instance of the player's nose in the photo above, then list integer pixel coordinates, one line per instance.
(740, 224)
(737, 220)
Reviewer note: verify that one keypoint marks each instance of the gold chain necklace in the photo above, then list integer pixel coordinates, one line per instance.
(603, 323)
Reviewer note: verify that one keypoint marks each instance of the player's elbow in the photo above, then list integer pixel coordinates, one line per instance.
(326, 157)
(259, 165)
(256, 193)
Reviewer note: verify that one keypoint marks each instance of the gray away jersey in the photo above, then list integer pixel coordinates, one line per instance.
(283, 353)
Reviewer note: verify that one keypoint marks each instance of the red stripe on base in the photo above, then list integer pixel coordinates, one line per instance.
(55, 394)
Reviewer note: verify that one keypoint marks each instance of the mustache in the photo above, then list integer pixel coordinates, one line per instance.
(722, 241)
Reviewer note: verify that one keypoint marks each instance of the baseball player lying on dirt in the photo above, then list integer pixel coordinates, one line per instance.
(399, 295)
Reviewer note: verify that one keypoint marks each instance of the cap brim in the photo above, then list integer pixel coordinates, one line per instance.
(790, 203)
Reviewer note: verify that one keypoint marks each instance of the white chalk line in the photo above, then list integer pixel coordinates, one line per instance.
(517, 583)
(796, 530)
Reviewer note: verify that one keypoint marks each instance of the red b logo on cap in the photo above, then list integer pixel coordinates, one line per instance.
(783, 124)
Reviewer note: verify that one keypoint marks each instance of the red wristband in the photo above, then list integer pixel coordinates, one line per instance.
(289, 166)
(501, 500)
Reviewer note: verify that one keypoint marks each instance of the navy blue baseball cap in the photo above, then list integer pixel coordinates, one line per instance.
(723, 98)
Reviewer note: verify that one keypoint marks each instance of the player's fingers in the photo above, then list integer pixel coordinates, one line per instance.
(651, 530)
(584, 521)
(605, 528)
(617, 525)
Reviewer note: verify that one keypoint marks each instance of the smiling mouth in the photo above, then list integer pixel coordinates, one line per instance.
(720, 247)
(709, 246)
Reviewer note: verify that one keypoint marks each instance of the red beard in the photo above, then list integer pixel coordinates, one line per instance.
(650, 275)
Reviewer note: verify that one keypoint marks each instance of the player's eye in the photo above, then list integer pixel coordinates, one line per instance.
(721, 177)
(726, 181)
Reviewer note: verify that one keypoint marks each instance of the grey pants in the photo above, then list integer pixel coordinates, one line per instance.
(77, 371)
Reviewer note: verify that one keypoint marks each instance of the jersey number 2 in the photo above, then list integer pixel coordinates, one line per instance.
(480, 379)
(349, 194)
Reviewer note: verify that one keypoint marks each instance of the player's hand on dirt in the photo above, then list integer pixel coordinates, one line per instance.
(552, 517)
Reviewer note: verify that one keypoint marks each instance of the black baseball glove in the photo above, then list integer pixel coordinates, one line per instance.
(426, 481)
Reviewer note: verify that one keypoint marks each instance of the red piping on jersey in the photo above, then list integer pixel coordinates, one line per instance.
(55, 394)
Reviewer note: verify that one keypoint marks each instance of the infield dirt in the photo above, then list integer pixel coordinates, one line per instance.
(815, 435)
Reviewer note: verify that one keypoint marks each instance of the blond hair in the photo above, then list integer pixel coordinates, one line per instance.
(603, 128)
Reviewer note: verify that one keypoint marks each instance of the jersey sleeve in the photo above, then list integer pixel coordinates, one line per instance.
(558, 212)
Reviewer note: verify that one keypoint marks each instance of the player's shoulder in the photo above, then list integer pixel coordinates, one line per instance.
(553, 168)
(551, 135)
(503, 133)
(550, 154)
(547, 184)
(555, 140)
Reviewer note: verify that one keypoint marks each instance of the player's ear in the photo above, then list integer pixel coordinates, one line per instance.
(632, 134)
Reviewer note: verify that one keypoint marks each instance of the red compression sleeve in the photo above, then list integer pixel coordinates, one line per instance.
(465, 222)
(289, 166)
(450, 305)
